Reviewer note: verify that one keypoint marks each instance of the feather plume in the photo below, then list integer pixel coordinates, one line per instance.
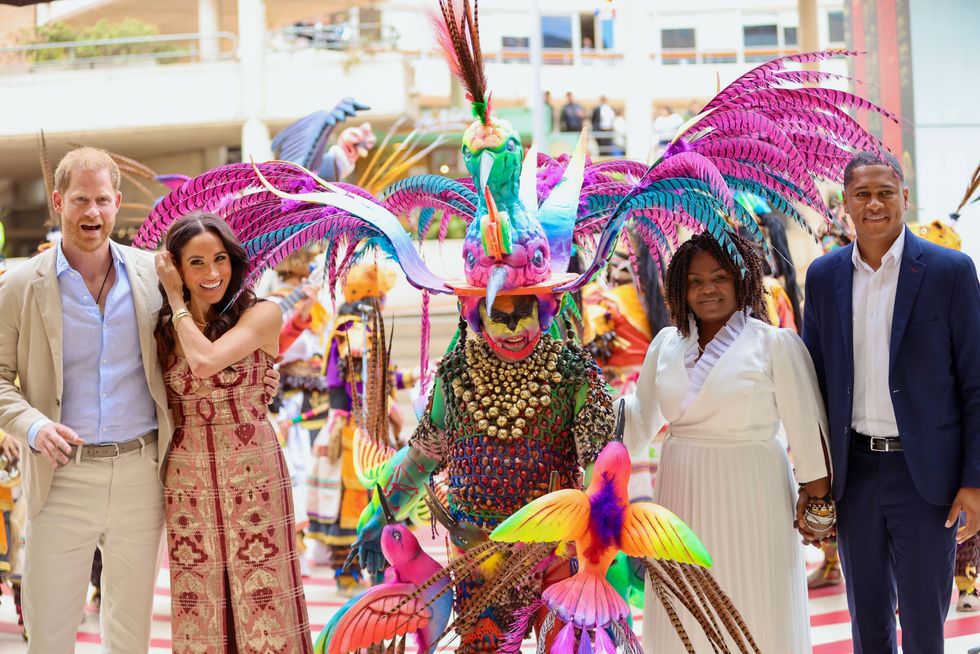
(47, 174)
(565, 640)
(459, 38)
(971, 188)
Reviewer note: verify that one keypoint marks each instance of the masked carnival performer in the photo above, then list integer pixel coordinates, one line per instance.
(336, 496)
(620, 317)
(617, 329)
(301, 385)
(13, 518)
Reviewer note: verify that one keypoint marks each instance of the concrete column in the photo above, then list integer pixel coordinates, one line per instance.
(638, 66)
(208, 24)
(809, 39)
(354, 22)
(256, 142)
(213, 157)
(538, 131)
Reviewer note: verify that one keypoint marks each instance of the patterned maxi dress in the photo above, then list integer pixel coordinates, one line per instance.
(234, 570)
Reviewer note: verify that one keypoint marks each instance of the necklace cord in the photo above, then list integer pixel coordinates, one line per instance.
(98, 297)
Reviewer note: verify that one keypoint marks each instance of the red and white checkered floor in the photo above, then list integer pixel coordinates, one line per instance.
(829, 619)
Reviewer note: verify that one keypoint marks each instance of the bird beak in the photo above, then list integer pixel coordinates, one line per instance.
(495, 284)
(389, 516)
(486, 165)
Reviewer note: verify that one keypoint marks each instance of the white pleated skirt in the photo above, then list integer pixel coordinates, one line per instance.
(739, 498)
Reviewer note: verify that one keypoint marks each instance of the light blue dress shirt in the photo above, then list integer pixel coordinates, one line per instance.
(106, 398)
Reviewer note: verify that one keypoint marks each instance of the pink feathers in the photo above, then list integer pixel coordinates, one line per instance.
(586, 599)
(565, 640)
(445, 41)
(603, 644)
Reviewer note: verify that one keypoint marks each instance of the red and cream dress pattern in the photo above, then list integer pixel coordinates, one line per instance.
(234, 567)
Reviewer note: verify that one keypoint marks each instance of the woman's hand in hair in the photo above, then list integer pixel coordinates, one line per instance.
(170, 279)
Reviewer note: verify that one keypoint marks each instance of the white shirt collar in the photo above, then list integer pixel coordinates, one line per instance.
(891, 258)
(736, 323)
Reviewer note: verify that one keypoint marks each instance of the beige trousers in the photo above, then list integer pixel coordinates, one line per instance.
(116, 504)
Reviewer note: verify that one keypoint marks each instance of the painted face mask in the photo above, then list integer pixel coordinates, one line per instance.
(511, 326)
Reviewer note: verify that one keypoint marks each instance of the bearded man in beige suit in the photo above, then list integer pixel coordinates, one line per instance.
(76, 327)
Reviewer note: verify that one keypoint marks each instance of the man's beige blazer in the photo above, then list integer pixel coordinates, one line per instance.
(31, 350)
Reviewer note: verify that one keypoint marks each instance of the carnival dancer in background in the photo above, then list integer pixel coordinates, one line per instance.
(302, 385)
(303, 389)
(833, 234)
(13, 514)
(617, 315)
(336, 496)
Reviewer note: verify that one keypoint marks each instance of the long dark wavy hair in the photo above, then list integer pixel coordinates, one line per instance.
(219, 319)
(749, 289)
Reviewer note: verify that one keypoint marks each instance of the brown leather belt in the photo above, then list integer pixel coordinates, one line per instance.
(113, 450)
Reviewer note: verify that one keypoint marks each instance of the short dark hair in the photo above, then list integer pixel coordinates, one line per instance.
(749, 288)
(883, 158)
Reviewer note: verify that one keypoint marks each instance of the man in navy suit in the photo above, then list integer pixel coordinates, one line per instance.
(893, 325)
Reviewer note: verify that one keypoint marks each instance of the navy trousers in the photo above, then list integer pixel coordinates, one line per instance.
(893, 547)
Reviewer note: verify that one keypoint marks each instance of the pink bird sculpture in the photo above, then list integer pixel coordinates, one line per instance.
(395, 607)
(601, 521)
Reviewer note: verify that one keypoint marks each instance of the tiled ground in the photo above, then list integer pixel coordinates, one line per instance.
(828, 617)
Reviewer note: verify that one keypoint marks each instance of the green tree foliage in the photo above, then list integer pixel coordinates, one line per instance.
(104, 29)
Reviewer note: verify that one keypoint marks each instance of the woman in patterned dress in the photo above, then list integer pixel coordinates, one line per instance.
(234, 572)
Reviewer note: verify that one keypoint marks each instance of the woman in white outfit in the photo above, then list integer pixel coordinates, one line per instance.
(724, 379)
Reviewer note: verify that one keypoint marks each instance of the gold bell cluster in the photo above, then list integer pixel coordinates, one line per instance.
(502, 396)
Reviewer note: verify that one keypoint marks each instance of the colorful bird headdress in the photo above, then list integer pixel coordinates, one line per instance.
(772, 132)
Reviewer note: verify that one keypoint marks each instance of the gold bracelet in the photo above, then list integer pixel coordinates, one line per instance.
(180, 313)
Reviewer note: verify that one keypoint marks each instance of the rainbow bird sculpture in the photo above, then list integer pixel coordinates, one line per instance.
(601, 522)
(399, 606)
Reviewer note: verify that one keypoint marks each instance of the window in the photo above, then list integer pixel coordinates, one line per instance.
(755, 36)
(516, 42)
(682, 38)
(556, 32)
(835, 26)
(586, 24)
(608, 33)
(790, 36)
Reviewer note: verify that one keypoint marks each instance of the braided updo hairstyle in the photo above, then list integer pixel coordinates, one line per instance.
(749, 289)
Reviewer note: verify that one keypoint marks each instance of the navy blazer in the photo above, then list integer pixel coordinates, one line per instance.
(934, 362)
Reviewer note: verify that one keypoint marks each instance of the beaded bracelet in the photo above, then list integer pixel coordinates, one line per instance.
(820, 514)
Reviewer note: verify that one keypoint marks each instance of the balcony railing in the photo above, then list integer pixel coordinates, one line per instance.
(342, 36)
(162, 48)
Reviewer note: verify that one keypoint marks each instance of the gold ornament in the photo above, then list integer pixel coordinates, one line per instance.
(501, 396)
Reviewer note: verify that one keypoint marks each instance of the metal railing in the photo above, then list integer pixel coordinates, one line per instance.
(161, 48)
(342, 36)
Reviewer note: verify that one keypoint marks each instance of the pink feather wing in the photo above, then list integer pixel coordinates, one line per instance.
(371, 620)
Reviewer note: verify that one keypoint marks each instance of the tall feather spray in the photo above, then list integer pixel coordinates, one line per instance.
(457, 34)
